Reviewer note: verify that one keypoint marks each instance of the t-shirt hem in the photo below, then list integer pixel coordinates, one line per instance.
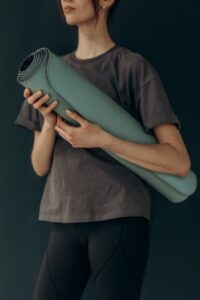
(89, 218)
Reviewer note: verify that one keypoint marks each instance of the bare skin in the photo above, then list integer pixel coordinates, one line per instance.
(44, 141)
(168, 156)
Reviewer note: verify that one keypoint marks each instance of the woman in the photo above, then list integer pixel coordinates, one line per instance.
(99, 209)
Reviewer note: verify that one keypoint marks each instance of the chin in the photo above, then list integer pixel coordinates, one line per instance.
(71, 21)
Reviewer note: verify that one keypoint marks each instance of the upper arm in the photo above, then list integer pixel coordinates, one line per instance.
(170, 134)
(152, 104)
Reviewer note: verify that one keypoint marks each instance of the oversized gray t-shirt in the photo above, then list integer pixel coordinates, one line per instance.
(87, 184)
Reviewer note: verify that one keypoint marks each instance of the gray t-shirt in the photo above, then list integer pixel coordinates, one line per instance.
(87, 184)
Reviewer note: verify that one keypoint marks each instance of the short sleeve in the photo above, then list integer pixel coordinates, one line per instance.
(152, 102)
(154, 105)
(28, 117)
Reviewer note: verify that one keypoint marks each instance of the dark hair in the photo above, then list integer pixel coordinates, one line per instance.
(96, 8)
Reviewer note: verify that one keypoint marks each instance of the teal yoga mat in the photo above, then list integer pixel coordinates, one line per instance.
(44, 70)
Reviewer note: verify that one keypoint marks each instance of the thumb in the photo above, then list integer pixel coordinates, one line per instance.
(27, 92)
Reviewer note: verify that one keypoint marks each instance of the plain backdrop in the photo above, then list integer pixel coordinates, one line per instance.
(166, 33)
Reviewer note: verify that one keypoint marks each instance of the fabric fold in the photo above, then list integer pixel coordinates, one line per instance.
(44, 70)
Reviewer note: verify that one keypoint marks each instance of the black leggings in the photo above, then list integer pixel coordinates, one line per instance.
(115, 251)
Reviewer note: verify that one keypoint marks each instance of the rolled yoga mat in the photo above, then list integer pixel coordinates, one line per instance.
(44, 70)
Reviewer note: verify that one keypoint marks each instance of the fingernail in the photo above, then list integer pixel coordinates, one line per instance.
(68, 111)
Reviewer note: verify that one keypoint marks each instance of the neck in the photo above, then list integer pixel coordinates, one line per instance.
(93, 41)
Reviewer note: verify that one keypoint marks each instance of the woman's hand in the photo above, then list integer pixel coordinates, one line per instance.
(37, 99)
(88, 135)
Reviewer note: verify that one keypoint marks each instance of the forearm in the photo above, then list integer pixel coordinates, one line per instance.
(41, 154)
(156, 157)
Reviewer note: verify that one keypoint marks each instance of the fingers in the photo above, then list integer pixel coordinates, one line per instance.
(77, 117)
(37, 99)
(35, 96)
(27, 92)
(49, 108)
(40, 101)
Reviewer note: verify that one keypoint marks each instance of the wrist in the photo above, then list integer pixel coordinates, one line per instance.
(107, 139)
(49, 126)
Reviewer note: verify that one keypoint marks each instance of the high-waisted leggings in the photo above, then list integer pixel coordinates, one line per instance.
(115, 251)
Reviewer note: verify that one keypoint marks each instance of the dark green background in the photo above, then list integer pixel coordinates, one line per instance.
(166, 33)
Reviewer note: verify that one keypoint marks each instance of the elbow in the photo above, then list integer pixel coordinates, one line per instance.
(40, 172)
(185, 169)
(38, 169)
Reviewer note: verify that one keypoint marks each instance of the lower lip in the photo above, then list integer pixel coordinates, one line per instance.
(69, 10)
